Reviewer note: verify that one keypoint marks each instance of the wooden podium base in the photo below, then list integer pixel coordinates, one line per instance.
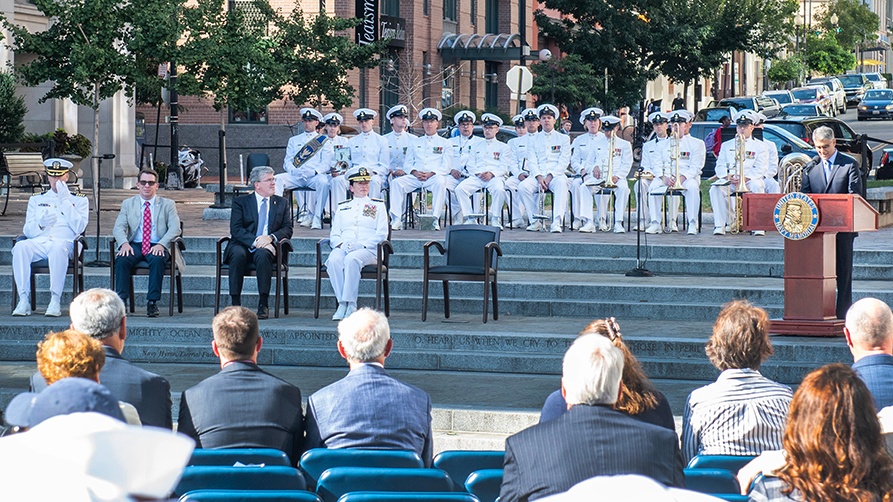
(831, 327)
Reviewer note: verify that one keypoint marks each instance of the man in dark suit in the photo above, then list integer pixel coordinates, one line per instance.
(869, 334)
(242, 406)
(368, 408)
(836, 172)
(591, 439)
(100, 314)
(258, 221)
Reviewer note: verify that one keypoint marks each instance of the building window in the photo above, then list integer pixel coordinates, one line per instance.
(446, 93)
(390, 88)
(426, 7)
(248, 116)
(449, 10)
(391, 8)
(491, 86)
(491, 16)
(474, 12)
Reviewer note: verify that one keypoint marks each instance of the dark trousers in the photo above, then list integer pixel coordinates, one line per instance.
(124, 267)
(238, 259)
(844, 267)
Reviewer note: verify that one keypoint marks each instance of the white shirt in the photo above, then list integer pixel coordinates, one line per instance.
(522, 151)
(462, 147)
(756, 159)
(295, 143)
(429, 154)
(71, 216)
(490, 155)
(398, 146)
(692, 154)
(583, 154)
(370, 150)
(652, 155)
(153, 237)
(364, 221)
(553, 153)
(622, 157)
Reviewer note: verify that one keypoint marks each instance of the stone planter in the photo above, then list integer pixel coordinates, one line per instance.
(76, 160)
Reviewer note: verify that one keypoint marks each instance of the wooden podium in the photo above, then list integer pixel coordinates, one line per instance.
(810, 277)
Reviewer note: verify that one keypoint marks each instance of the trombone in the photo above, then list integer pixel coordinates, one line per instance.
(736, 197)
(609, 179)
(675, 153)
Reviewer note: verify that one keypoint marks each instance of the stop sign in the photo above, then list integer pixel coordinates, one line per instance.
(519, 79)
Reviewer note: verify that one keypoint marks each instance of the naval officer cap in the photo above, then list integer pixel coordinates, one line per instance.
(430, 114)
(610, 121)
(591, 113)
(362, 114)
(333, 118)
(680, 116)
(658, 118)
(310, 114)
(397, 111)
(518, 120)
(744, 117)
(547, 108)
(530, 114)
(464, 116)
(489, 119)
(57, 167)
(359, 174)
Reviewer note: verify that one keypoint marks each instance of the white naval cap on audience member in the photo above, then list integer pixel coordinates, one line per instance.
(310, 114)
(627, 488)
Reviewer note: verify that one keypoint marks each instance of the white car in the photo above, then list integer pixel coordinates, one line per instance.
(838, 93)
(877, 80)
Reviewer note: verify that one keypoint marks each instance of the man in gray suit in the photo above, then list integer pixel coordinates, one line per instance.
(368, 408)
(100, 314)
(144, 230)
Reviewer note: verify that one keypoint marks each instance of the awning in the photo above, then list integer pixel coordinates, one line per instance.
(871, 62)
(477, 47)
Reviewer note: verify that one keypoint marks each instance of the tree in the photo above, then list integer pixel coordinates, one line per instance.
(824, 56)
(574, 83)
(856, 23)
(12, 110)
(787, 69)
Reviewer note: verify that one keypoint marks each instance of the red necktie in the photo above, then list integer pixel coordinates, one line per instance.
(147, 229)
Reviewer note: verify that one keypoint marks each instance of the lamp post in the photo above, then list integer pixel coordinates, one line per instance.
(546, 55)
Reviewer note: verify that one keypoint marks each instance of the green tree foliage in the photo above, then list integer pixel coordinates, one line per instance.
(855, 22)
(574, 82)
(784, 70)
(154, 42)
(12, 110)
(824, 56)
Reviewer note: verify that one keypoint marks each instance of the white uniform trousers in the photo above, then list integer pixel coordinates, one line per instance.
(642, 202)
(517, 208)
(719, 199)
(692, 194)
(468, 187)
(344, 271)
(319, 183)
(56, 251)
(529, 189)
(407, 184)
(576, 207)
(771, 185)
(339, 186)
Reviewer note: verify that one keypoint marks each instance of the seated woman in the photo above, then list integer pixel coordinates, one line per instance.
(833, 445)
(638, 397)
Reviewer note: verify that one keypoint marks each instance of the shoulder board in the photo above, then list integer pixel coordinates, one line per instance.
(41, 193)
(344, 202)
(377, 200)
(80, 194)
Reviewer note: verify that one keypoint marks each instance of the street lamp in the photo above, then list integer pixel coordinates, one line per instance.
(545, 56)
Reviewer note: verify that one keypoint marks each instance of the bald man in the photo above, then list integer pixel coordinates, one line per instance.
(869, 335)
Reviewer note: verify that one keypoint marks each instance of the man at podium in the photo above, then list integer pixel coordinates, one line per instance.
(836, 172)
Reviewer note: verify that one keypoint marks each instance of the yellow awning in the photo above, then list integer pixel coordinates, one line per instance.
(873, 62)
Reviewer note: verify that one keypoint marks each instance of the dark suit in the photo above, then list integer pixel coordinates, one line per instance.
(845, 178)
(587, 441)
(877, 373)
(243, 229)
(369, 409)
(149, 393)
(243, 406)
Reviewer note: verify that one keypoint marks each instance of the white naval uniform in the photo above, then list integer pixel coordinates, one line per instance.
(462, 148)
(398, 146)
(770, 182)
(582, 160)
(487, 155)
(369, 150)
(53, 242)
(525, 163)
(553, 155)
(692, 154)
(756, 162)
(359, 226)
(425, 154)
(306, 176)
(652, 162)
(622, 163)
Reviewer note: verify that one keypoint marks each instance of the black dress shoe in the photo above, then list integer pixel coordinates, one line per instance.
(152, 310)
(263, 312)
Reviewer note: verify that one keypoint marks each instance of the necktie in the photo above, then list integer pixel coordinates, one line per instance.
(147, 229)
(827, 171)
(262, 218)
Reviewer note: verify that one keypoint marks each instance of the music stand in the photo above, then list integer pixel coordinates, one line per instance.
(97, 192)
(640, 270)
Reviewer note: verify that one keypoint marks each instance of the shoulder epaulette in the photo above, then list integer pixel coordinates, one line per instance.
(377, 200)
(80, 194)
(344, 202)
(41, 193)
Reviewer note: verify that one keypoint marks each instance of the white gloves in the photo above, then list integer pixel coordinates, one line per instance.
(62, 190)
(47, 219)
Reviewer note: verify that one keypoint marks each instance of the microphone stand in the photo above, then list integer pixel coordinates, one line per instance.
(97, 262)
(639, 271)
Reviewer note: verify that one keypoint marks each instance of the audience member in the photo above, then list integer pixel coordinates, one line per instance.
(869, 334)
(68, 395)
(242, 406)
(591, 439)
(743, 412)
(100, 314)
(832, 443)
(368, 408)
(638, 397)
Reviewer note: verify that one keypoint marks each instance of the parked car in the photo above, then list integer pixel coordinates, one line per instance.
(713, 114)
(505, 133)
(783, 97)
(801, 110)
(885, 168)
(877, 104)
(764, 105)
(855, 86)
(847, 140)
(818, 94)
(877, 80)
(838, 94)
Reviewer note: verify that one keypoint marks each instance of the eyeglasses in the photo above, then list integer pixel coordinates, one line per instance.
(147, 183)
(269, 180)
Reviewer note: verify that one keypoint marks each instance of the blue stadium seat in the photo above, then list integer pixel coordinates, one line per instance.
(337, 481)
(719, 483)
(315, 461)
(203, 477)
(484, 484)
(407, 497)
(732, 463)
(460, 463)
(249, 496)
(229, 456)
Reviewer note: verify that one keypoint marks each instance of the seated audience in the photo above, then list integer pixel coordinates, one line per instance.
(242, 406)
(869, 334)
(71, 395)
(638, 398)
(743, 412)
(100, 314)
(591, 439)
(368, 408)
(833, 445)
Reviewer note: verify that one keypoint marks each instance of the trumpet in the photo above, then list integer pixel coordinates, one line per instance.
(674, 157)
(609, 179)
(735, 198)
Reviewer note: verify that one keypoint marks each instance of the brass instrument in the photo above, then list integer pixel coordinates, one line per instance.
(541, 215)
(674, 157)
(342, 159)
(609, 179)
(790, 171)
(736, 197)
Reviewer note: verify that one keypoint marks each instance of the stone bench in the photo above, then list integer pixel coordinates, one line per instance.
(881, 198)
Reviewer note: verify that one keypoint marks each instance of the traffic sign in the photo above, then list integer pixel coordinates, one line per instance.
(519, 79)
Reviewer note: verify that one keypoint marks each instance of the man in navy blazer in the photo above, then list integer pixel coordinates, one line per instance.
(100, 314)
(242, 406)
(836, 172)
(869, 335)
(591, 439)
(257, 222)
(368, 408)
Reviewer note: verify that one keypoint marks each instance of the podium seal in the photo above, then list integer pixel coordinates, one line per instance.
(796, 216)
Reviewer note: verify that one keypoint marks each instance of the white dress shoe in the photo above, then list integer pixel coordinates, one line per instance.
(618, 227)
(588, 228)
(54, 309)
(317, 223)
(674, 227)
(339, 314)
(719, 231)
(396, 226)
(436, 224)
(758, 232)
(556, 227)
(654, 228)
(602, 226)
(306, 221)
(23, 308)
(535, 227)
(349, 310)
(692, 230)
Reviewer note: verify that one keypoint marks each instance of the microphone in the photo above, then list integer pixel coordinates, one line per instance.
(809, 165)
(105, 156)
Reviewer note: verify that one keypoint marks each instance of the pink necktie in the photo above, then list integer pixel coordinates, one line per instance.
(147, 229)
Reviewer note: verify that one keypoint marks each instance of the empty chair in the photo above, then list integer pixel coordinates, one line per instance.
(229, 456)
(337, 481)
(732, 463)
(407, 497)
(484, 484)
(460, 463)
(249, 495)
(203, 477)
(316, 461)
(717, 482)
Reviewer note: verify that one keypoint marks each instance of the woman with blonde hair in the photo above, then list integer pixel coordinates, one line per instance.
(638, 396)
